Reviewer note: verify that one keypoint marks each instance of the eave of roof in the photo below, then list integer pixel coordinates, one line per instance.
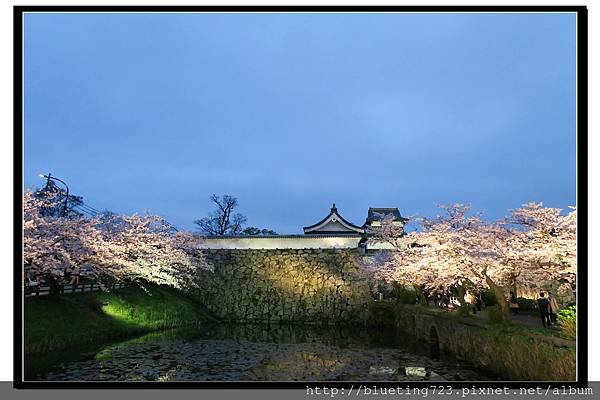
(331, 212)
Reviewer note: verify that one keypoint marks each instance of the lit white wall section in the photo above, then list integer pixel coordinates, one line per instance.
(379, 246)
(303, 242)
(378, 223)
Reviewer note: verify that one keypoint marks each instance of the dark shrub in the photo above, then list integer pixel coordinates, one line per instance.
(527, 304)
(406, 296)
(495, 315)
(489, 299)
(465, 309)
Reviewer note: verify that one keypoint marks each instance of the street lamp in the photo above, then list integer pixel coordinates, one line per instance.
(50, 177)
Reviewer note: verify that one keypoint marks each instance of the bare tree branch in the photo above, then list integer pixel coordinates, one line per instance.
(222, 221)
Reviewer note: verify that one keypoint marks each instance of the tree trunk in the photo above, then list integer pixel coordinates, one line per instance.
(420, 294)
(397, 289)
(500, 296)
(461, 294)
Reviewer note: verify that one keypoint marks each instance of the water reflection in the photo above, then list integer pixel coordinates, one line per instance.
(256, 353)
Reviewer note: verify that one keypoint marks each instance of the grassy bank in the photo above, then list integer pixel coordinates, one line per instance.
(53, 323)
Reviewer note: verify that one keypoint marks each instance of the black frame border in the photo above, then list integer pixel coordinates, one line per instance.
(582, 193)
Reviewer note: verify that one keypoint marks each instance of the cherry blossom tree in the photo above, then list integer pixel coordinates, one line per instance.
(429, 258)
(545, 243)
(532, 247)
(136, 248)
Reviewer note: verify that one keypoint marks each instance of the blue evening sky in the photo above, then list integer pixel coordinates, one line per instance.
(292, 112)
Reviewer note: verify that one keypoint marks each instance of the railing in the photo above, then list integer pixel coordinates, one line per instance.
(68, 289)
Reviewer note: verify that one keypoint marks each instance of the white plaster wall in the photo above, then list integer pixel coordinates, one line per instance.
(379, 246)
(378, 223)
(303, 242)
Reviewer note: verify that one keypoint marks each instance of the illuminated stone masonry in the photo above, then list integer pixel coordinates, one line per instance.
(285, 285)
(309, 278)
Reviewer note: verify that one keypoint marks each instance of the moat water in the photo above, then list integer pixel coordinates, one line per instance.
(255, 353)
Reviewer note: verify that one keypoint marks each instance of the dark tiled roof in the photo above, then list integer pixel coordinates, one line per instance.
(377, 214)
(333, 210)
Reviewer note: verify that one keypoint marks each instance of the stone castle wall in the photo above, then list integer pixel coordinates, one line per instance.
(285, 285)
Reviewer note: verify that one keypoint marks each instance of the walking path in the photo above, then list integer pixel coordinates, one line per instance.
(530, 320)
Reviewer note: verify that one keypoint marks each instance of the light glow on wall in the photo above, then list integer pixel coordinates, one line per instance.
(285, 242)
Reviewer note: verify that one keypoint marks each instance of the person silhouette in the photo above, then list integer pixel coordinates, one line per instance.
(544, 306)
